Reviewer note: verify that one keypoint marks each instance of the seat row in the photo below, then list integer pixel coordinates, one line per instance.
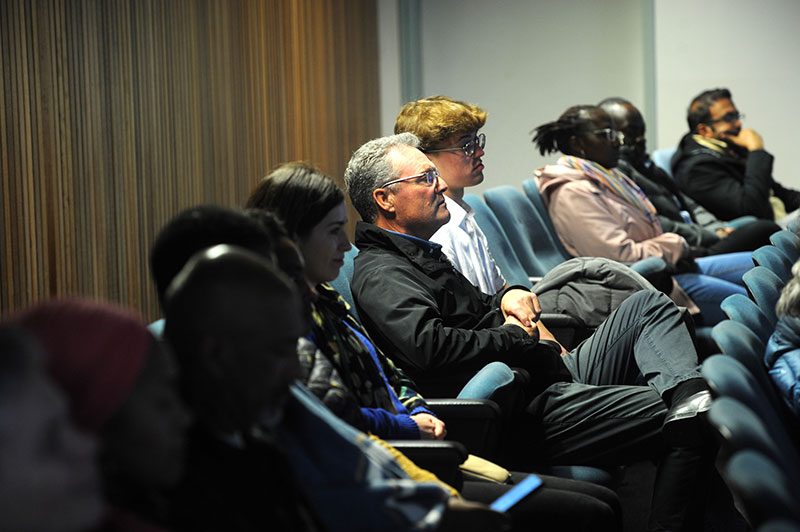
(759, 431)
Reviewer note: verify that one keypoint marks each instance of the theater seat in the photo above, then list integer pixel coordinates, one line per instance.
(663, 159)
(744, 310)
(764, 287)
(774, 260)
(499, 246)
(342, 283)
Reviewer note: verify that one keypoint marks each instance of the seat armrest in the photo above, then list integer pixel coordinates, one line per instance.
(560, 321)
(568, 330)
(475, 423)
(441, 458)
(464, 408)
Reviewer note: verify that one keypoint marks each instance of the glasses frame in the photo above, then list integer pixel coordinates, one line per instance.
(469, 148)
(608, 133)
(431, 175)
(730, 117)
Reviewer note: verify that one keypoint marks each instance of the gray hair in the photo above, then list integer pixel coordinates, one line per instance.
(789, 302)
(369, 168)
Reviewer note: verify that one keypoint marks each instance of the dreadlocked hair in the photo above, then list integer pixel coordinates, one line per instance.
(554, 136)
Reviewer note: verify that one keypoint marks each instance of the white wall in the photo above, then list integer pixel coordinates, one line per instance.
(752, 48)
(525, 63)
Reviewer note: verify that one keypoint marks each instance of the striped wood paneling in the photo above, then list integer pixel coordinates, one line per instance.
(116, 114)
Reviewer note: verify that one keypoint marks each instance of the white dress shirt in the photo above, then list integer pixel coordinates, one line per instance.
(466, 246)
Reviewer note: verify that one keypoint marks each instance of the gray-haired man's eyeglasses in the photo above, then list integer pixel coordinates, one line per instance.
(427, 178)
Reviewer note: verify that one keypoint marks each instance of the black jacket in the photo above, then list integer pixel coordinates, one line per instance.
(729, 183)
(431, 321)
(669, 201)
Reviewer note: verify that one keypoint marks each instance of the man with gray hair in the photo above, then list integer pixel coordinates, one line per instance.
(441, 329)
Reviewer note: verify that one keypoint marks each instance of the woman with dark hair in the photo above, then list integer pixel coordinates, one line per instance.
(120, 384)
(359, 384)
(614, 217)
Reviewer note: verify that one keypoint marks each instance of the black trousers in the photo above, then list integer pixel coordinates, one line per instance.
(748, 237)
(559, 504)
(604, 418)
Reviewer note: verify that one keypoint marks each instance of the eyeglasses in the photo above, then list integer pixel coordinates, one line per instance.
(629, 141)
(469, 148)
(427, 178)
(607, 132)
(731, 117)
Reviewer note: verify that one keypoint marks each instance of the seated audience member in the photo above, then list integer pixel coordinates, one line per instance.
(448, 134)
(426, 316)
(200, 227)
(678, 213)
(234, 322)
(234, 325)
(48, 478)
(121, 386)
(617, 221)
(353, 378)
(783, 349)
(724, 167)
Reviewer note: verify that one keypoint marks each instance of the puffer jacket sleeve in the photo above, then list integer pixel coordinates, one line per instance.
(321, 378)
(783, 360)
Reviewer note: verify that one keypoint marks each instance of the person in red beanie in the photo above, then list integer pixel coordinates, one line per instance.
(120, 383)
(48, 478)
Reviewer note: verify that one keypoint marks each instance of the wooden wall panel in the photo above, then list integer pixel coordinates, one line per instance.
(117, 114)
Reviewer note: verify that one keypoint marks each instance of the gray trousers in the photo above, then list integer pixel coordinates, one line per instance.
(603, 418)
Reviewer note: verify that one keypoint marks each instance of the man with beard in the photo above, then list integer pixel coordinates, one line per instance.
(725, 168)
(678, 213)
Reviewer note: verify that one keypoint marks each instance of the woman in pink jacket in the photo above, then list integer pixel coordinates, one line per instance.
(598, 211)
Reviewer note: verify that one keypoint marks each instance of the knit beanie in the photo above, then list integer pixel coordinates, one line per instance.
(95, 353)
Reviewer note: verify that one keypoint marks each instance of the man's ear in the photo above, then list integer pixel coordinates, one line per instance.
(705, 130)
(384, 199)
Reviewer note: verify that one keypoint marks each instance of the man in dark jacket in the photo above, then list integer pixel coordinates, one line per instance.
(439, 327)
(678, 213)
(725, 168)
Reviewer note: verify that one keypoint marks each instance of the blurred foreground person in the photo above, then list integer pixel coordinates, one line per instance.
(234, 321)
(121, 386)
(48, 477)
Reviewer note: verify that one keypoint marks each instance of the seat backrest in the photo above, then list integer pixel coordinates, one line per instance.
(500, 247)
(788, 242)
(730, 379)
(764, 288)
(739, 307)
(742, 428)
(736, 340)
(775, 260)
(525, 230)
(663, 159)
(762, 488)
(342, 283)
(532, 191)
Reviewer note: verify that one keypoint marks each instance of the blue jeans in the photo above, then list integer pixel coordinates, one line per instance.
(489, 379)
(718, 277)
